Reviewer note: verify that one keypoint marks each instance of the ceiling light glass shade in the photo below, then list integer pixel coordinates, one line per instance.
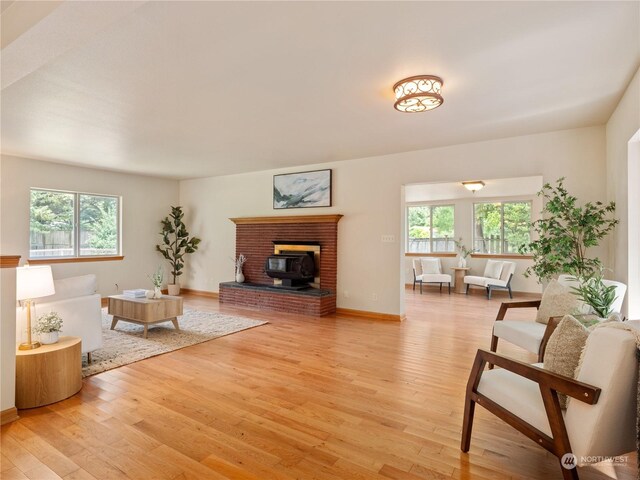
(474, 186)
(418, 94)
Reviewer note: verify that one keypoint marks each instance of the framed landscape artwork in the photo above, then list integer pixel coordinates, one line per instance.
(302, 190)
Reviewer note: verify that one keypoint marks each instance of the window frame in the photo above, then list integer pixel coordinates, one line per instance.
(502, 238)
(431, 207)
(77, 256)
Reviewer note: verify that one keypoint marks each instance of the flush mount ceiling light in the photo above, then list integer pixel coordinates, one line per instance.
(418, 94)
(474, 185)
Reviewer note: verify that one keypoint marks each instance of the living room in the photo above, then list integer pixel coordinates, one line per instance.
(135, 103)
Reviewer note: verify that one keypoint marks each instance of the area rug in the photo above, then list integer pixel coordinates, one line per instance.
(126, 345)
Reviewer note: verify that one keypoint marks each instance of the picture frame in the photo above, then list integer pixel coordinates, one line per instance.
(311, 189)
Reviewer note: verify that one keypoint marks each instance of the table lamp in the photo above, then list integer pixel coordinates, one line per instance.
(32, 282)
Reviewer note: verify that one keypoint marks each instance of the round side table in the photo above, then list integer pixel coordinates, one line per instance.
(459, 272)
(49, 373)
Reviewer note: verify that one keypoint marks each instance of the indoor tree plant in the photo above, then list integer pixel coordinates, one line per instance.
(565, 231)
(176, 243)
(48, 327)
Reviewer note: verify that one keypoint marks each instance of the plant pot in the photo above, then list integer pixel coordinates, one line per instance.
(157, 293)
(240, 277)
(462, 262)
(49, 338)
(173, 290)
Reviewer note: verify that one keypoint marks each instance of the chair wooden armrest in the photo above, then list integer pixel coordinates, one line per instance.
(519, 304)
(569, 386)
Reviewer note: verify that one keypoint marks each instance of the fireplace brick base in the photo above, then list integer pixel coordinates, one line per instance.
(269, 299)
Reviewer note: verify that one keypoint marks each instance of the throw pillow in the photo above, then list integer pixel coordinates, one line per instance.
(564, 349)
(493, 269)
(430, 266)
(557, 300)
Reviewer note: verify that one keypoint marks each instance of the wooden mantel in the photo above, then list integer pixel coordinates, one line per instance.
(287, 219)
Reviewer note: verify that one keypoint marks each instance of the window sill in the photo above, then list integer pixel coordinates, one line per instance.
(47, 261)
(435, 254)
(514, 256)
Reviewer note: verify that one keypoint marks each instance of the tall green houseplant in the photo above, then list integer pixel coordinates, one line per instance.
(565, 232)
(176, 243)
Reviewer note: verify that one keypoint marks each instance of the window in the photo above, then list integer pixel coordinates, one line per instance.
(68, 224)
(430, 229)
(501, 227)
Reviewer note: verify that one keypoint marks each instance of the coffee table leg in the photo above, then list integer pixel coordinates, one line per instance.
(114, 322)
(174, 320)
(146, 329)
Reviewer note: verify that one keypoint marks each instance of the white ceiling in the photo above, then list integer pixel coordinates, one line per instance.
(493, 188)
(193, 89)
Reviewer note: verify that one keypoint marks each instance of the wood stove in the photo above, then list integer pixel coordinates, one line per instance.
(294, 265)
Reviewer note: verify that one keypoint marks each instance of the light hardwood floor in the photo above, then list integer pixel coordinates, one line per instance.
(299, 398)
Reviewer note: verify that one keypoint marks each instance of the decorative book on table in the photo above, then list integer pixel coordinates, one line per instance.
(137, 293)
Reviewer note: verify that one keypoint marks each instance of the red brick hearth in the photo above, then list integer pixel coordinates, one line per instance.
(254, 239)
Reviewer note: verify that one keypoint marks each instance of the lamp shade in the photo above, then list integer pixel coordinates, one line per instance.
(34, 282)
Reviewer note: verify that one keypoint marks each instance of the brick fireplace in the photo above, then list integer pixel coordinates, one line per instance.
(255, 237)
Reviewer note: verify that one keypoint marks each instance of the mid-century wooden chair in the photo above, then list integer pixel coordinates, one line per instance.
(531, 335)
(600, 418)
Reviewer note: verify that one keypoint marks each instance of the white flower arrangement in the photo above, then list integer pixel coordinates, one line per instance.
(49, 322)
(239, 262)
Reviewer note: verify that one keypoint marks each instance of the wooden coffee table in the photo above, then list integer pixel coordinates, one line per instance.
(144, 311)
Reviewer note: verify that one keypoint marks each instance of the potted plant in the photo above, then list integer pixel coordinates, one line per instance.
(565, 232)
(463, 253)
(176, 243)
(592, 291)
(156, 279)
(48, 327)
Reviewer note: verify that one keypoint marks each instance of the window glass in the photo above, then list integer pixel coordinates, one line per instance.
(51, 224)
(98, 225)
(501, 228)
(430, 228)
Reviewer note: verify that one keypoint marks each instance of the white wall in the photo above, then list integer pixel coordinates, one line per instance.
(369, 193)
(145, 200)
(464, 228)
(622, 125)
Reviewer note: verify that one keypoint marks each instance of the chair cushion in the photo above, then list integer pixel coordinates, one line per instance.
(72, 287)
(493, 269)
(417, 267)
(484, 281)
(517, 394)
(430, 266)
(557, 301)
(436, 278)
(527, 335)
(564, 348)
(508, 268)
(609, 362)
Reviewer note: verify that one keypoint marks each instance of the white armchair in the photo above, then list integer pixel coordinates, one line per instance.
(429, 270)
(497, 274)
(600, 418)
(79, 306)
(531, 335)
